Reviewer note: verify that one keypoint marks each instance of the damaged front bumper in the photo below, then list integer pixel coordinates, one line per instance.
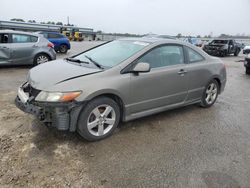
(216, 52)
(61, 115)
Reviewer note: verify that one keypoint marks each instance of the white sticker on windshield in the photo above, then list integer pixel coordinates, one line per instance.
(141, 43)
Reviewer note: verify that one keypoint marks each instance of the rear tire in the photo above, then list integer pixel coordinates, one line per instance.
(210, 94)
(98, 119)
(63, 48)
(247, 70)
(237, 52)
(40, 59)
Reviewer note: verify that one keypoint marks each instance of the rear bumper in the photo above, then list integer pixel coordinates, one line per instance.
(52, 54)
(62, 116)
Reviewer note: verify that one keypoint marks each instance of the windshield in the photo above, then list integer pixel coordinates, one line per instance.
(219, 42)
(112, 53)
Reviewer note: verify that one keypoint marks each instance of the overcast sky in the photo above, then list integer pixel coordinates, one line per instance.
(189, 17)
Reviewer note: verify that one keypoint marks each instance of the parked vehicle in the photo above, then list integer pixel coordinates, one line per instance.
(247, 64)
(19, 48)
(223, 47)
(195, 41)
(60, 41)
(120, 81)
(246, 50)
(78, 36)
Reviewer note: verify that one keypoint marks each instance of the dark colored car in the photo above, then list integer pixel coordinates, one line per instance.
(61, 42)
(222, 47)
(247, 64)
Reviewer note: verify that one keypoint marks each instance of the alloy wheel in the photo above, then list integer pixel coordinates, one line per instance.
(42, 59)
(211, 93)
(101, 120)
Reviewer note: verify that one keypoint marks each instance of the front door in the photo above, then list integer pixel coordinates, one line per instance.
(5, 52)
(164, 85)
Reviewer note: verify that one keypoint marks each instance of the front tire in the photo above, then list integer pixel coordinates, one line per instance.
(210, 94)
(247, 70)
(98, 119)
(224, 53)
(237, 52)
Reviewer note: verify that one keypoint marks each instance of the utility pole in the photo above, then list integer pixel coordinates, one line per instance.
(68, 19)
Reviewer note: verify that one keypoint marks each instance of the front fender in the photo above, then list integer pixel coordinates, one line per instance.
(100, 92)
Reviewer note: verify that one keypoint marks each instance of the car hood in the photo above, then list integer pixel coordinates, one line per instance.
(52, 73)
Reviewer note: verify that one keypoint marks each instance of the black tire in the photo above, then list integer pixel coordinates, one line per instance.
(38, 57)
(247, 71)
(87, 113)
(236, 53)
(224, 53)
(204, 102)
(63, 48)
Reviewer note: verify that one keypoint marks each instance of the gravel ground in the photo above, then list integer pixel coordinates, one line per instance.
(187, 147)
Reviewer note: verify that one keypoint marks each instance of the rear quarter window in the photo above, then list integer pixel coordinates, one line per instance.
(194, 56)
(34, 39)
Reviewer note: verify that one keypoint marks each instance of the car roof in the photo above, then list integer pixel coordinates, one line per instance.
(18, 32)
(159, 41)
(155, 40)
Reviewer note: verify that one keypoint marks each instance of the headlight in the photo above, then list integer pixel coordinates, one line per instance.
(45, 96)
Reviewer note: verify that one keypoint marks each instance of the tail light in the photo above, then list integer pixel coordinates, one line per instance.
(51, 45)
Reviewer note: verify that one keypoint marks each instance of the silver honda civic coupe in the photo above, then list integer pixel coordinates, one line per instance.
(120, 81)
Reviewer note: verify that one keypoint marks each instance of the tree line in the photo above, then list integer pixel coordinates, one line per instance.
(34, 21)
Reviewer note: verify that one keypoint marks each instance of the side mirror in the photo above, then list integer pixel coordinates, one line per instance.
(141, 67)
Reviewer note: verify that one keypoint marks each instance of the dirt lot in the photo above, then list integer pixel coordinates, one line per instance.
(187, 147)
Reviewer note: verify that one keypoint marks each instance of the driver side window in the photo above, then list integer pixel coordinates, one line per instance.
(4, 38)
(164, 56)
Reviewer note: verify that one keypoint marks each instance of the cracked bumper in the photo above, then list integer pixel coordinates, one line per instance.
(62, 116)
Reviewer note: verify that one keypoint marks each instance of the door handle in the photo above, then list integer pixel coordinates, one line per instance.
(5, 47)
(182, 71)
(34, 46)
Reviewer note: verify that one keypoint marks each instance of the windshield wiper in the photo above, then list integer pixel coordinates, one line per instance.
(94, 62)
(76, 60)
